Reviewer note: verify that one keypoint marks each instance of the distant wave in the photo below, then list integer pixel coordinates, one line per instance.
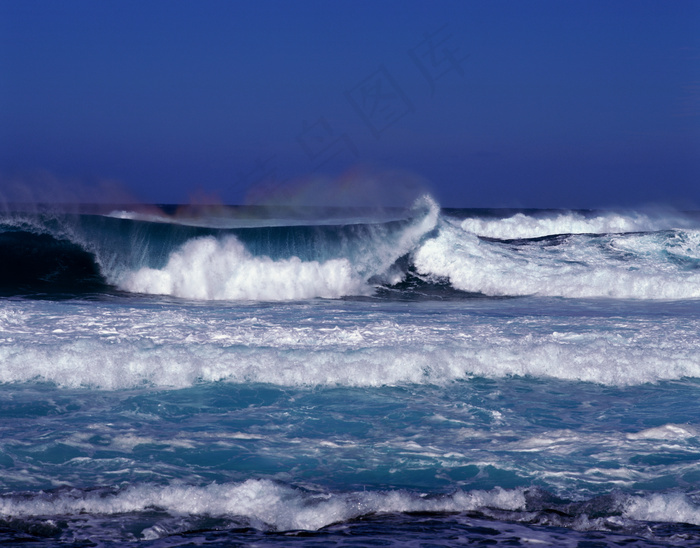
(522, 226)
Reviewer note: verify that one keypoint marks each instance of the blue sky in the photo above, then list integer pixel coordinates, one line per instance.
(488, 104)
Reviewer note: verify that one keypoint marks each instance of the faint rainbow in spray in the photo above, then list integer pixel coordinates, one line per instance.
(356, 187)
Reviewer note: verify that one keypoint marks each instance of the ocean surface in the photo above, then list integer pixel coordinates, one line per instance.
(418, 377)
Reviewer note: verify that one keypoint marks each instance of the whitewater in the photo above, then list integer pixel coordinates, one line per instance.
(333, 377)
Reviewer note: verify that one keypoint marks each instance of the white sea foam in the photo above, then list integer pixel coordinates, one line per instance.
(268, 505)
(521, 225)
(632, 266)
(664, 507)
(211, 269)
(262, 503)
(111, 348)
(669, 432)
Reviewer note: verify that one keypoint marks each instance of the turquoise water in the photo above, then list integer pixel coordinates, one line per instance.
(418, 409)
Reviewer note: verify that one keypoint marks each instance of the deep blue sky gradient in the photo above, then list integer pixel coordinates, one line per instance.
(544, 104)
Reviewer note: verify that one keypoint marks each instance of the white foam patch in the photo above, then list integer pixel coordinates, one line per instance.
(666, 432)
(623, 266)
(102, 346)
(663, 507)
(264, 503)
(522, 226)
(210, 269)
(344, 357)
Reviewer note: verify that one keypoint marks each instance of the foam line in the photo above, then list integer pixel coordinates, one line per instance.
(98, 362)
(264, 503)
(521, 225)
(268, 505)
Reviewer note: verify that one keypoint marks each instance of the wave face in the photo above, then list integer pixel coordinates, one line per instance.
(424, 255)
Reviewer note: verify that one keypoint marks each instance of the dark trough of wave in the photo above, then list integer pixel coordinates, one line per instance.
(39, 264)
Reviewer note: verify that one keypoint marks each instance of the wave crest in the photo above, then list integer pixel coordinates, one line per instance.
(271, 506)
(522, 226)
(262, 503)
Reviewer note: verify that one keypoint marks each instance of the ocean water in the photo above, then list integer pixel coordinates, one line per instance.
(420, 377)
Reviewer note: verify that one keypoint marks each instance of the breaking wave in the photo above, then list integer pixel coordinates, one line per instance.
(522, 226)
(159, 511)
(130, 348)
(648, 265)
(427, 254)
